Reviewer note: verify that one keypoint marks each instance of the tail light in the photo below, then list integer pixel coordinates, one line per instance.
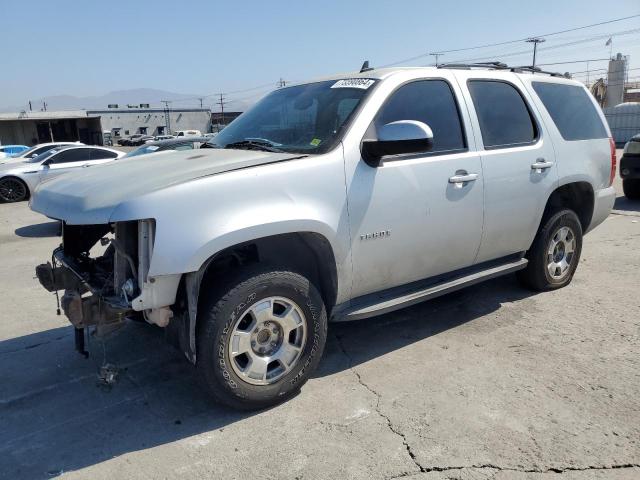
(612, 175)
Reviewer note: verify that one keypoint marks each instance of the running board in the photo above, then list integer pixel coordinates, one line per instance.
(396, 303)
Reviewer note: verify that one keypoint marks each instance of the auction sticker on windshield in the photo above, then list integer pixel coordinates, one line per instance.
(362, 83)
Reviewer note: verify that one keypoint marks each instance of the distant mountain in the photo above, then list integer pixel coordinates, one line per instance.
(121, 97)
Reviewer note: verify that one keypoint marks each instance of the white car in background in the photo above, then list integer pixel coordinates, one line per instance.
(18, 180)
(188, 133)
(35, 151)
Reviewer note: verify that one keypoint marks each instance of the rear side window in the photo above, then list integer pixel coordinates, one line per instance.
(431, 102)
(571, 110)
(102, 154)
(505, 119)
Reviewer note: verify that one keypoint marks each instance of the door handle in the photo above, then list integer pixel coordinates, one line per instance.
(460, 179)
(540, 165)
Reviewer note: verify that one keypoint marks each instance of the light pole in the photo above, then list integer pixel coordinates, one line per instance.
(535, 41)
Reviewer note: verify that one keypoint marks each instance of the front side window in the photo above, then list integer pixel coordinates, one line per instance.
(572, 110)
(504, 117)
(308, 118)
(71, 156)
(431, 102)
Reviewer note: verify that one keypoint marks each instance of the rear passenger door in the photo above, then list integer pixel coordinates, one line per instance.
(518, 161)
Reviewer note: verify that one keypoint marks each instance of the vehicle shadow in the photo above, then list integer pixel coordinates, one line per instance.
(56, 416)
(40, 230)
(622, 203)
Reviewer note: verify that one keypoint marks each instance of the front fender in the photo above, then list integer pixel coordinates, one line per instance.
(197, 219)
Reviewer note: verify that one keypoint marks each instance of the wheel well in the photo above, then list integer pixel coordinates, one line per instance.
(577, 196)
(306, 253)
(21, 181)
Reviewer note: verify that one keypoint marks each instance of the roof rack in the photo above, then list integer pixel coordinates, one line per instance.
(495, 65)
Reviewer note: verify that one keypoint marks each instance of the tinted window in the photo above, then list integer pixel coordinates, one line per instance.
(183, 146)
(571, 110)
(73, 155)
(102, 154)
(430, 102)
(503, 115)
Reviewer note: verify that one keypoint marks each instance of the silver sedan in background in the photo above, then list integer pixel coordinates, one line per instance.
(18, 180)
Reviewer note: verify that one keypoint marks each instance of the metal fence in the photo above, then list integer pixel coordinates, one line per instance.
(624, 121)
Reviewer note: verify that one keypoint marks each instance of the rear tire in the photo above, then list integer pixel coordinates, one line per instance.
(631, 188)
(260, 337)
(555, 252)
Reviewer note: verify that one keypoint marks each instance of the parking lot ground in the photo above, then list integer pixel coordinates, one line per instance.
(489, 382)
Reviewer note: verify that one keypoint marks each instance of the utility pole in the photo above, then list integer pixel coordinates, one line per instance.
(167, 116)
(535, 41)
(281, 83)
(221, 102)
(437, 55)
(200, 101)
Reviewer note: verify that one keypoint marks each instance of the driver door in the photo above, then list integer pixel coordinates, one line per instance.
(409, 218)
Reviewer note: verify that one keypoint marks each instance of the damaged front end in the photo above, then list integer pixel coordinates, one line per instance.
(104, 272)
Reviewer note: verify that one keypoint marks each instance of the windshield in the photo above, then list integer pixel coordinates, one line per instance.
(142, 150)
(301, 119)
(23, 153)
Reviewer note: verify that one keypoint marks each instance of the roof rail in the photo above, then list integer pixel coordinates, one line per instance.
(468, 66)
(495, 65)
(528, 68)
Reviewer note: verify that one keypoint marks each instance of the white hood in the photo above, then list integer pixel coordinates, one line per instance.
(91, 194)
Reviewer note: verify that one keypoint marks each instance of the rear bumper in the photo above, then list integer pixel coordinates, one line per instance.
(630, 166)
(603, 203)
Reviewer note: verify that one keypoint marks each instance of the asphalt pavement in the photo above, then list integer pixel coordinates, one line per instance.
(493, 381)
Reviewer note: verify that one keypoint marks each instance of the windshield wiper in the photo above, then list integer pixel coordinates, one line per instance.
(254, 144)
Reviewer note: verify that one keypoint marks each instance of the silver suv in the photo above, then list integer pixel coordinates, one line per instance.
(339, 199)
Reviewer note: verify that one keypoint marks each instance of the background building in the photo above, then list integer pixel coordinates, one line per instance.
(29, 128)
(123, 122)
(89, 126)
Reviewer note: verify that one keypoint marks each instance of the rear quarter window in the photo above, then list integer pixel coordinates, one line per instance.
(571, 110)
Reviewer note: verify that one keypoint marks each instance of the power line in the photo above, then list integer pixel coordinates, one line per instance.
(575, 61)
(509, 42)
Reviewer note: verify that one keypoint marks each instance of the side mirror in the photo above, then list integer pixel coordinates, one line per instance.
(403, 136)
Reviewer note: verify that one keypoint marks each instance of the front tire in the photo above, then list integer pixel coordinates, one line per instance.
(13, 190)
(555, 252)
(260, 337)
(631, 188)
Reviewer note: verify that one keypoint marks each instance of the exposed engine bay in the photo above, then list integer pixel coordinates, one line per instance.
(104, 289)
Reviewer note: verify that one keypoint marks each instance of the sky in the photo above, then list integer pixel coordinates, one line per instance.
(242, 48)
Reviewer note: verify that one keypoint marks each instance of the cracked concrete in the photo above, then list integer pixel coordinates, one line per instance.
(492, 382)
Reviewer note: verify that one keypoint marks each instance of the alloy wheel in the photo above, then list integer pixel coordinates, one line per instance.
(12, 190)
(267, 341)
(560, 253)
